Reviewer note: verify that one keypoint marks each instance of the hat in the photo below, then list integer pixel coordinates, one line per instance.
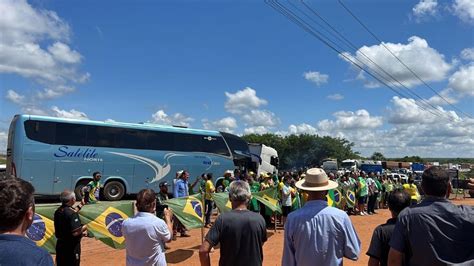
(228, 172)
(316, 180)
(163, 184)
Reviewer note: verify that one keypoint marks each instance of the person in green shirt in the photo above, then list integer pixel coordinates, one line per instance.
(362, 193)
(254, 187)
(227, 180)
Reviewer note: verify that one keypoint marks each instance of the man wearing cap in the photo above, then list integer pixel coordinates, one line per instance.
(318, 234)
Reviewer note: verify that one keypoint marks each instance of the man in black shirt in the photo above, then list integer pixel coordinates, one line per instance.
(240, 232)
(68, 230)
(379, 245)
(435, 231)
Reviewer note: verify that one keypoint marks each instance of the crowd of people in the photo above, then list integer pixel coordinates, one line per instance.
(431, 232)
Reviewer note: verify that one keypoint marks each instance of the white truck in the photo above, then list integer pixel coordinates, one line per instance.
(350, 165)
(330, 166)
(264, 158)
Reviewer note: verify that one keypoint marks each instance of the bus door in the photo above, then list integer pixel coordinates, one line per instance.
(67, 173)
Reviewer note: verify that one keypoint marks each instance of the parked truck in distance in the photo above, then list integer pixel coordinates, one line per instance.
(330, 166)
(371, 166)
(350, 165)
(264, 158)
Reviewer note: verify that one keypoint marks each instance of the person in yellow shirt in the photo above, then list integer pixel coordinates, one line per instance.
(412, 190)
(208, 198)
(265, 177)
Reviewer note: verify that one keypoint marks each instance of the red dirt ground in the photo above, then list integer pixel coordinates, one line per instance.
(184, 251)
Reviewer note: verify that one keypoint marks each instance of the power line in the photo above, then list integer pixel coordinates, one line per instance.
(352, 45)
(290, 15)
(399, 60)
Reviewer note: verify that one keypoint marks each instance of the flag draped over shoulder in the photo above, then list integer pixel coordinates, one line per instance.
(222, 201)
(103, 220)
(189, 210)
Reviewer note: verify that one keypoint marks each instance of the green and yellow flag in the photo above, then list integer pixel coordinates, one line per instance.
(189, 210)
(103, 220)
(222, 201)
(350, 198)
(269, 198)
(334, 198)
(42, 229)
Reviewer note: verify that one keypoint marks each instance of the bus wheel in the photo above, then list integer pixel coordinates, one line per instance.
(78, 189)
(114, 190)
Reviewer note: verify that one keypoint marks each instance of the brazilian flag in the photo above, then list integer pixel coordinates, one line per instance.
(296, 204)
(222, 201)
(334, 198)
(42, 229)
(269, 198)
(104, 221)
(189, 210)
(350, 198)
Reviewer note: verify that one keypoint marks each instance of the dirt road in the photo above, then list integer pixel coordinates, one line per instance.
(184, 251)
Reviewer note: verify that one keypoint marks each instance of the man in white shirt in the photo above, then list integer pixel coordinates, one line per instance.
(145, 234)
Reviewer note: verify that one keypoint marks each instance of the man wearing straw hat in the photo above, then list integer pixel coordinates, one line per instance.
(318, 234)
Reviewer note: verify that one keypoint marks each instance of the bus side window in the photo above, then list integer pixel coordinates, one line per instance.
(71, 134)
(41, 131)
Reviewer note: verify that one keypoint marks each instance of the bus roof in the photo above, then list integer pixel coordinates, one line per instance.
(145, 126)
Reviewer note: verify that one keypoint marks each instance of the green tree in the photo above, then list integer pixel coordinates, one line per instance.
(297, 151)
(378, 156)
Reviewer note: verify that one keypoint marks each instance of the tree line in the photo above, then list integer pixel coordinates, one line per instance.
(298, 151)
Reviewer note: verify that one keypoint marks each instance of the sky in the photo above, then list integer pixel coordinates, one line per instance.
(242, 67)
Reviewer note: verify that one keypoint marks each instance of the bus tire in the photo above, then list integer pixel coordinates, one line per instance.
(114, 190)
(78, 189)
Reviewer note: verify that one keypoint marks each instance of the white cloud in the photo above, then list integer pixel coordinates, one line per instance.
(302, 129)
(56, 92)
(425, 61)
(14, 97)
(464, 9)
(335, 97)
(316, 77)
(63, 53)
(256, 130)
(34, 46)
(447, 95)
(257, 118)
(73, 114)
(109, 120)
(226, 124)
(347, 120)
(239, 102)
(176, 119)
(408, 111)
(468, 54)
(3, 142)
(462, 81)
(425, 8)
